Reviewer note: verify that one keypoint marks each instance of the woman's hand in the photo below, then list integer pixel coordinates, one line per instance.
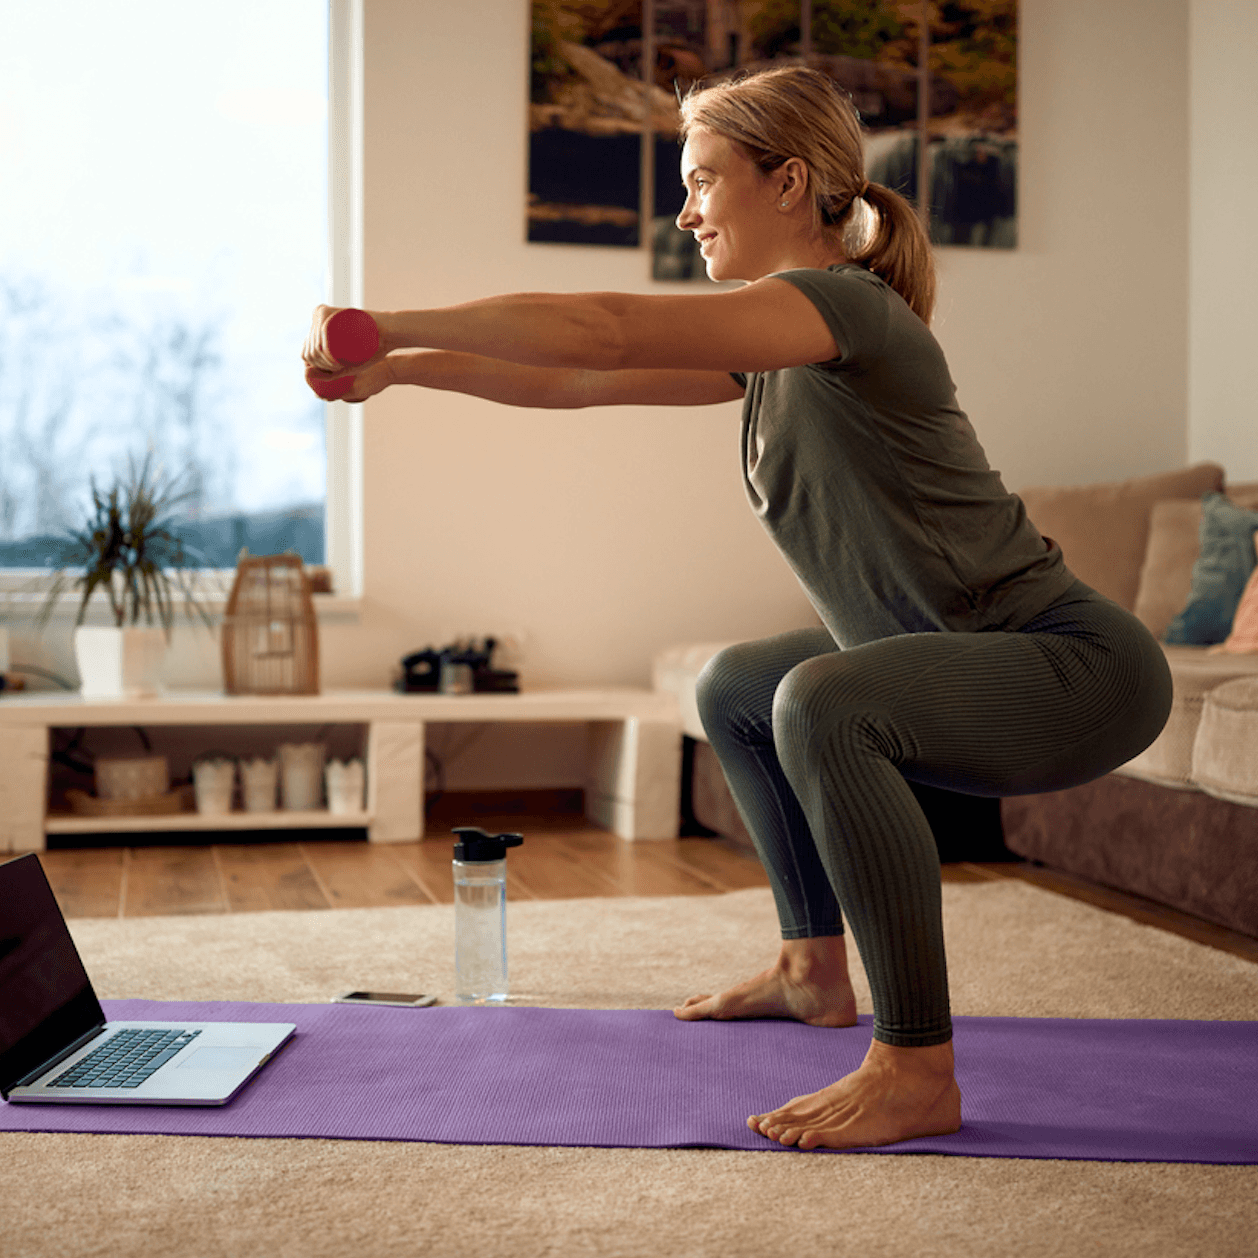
(344, 355)
(342, 336)
(356, 384)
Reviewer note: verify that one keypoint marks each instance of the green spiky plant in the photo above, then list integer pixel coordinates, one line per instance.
(128, 550)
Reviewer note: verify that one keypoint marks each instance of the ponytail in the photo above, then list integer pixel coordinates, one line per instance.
(883, 232)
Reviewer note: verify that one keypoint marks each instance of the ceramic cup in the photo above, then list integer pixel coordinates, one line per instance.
(258, 778)
(301, 775)
(345, 782)
(214, 780)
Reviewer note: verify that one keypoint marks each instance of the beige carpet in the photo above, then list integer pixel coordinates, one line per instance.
(1013, 950)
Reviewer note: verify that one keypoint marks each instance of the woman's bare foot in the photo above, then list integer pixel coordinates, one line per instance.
(809, 983)
(895, 1094)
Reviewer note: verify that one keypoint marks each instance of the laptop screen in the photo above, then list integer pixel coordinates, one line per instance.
(46, 998)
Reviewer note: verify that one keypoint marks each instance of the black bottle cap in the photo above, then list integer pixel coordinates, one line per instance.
(476, 845)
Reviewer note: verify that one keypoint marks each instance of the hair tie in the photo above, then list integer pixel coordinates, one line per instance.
(864, 188)
(860, 228)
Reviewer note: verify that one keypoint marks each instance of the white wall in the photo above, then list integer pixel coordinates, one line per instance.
(1069, 354)
(1223, 248)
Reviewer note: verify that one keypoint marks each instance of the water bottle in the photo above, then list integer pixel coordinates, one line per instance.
(480, 914)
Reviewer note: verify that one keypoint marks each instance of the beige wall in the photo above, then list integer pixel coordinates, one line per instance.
(1223, 246)
(1069, 353)
(592, 539)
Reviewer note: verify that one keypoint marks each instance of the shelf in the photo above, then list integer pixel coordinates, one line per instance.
(281, 819)
(58, 709)
(632, 773)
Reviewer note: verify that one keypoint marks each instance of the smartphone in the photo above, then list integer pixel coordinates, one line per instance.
(406, 1000)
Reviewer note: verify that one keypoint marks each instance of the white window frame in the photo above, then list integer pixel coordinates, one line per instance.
(23, 589)
(343, 510)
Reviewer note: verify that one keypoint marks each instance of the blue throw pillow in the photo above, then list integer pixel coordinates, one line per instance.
(1219, 575)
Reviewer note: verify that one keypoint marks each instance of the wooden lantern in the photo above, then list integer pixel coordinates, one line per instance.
(270, 634)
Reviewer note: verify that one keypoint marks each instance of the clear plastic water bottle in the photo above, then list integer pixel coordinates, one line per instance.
(480, 914)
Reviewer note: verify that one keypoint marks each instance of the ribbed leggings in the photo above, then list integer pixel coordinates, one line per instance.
(818, 745)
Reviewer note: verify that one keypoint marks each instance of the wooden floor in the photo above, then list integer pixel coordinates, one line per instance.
(563, 856)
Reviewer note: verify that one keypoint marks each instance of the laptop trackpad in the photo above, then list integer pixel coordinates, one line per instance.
(219, 1058)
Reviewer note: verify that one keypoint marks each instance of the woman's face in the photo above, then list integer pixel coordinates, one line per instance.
(733, 210)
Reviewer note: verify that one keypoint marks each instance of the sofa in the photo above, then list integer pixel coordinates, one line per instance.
(1178, 824)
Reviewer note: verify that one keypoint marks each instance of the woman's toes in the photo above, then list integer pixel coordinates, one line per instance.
(694, 1007)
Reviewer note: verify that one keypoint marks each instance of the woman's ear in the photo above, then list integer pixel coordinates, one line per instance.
(792, 179)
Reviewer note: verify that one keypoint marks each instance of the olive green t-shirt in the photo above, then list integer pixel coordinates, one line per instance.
(872, 482)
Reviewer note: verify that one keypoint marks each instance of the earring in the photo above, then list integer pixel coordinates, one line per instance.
(786, 205)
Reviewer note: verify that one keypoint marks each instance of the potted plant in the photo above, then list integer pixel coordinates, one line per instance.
(127, 550)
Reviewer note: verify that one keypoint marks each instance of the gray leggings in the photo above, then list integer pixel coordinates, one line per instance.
(817, 743)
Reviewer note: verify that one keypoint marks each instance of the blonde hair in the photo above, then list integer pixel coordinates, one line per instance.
(775, 115)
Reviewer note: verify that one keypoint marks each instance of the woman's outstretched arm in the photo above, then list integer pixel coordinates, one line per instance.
(516, 384)
(761, 327)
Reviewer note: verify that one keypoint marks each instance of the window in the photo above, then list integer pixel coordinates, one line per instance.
(163, 237)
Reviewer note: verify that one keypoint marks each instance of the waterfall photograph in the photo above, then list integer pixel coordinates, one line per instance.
(935, 84)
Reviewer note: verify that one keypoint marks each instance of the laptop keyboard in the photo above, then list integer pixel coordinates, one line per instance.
(125, 1059)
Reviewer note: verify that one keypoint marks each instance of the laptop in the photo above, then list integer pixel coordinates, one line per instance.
(55, 1045)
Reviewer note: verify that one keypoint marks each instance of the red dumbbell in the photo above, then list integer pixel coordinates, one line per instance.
(352, 336)
(332, 390)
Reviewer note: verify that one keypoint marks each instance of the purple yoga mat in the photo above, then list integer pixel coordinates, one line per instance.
(1155, 1091)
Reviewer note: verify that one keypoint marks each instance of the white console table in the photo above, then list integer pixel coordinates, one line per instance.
(632, 775)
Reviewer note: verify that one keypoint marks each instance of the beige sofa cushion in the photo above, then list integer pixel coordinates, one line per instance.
(1166, 575)
(675, 671)
(1103, 529)
(1225, 754)
(1168, 761)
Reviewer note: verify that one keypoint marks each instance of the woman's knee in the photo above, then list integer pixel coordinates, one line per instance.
(815, 687)
(822, 702)
(722, 690)
(811, 695)
(735, 688)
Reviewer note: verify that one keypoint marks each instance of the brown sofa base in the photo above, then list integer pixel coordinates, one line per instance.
(1184, 849)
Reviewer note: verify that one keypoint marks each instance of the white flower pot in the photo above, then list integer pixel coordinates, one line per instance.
(301, 775)
(345, 783)
(214, 782)
(258, 778)
(119, 663)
